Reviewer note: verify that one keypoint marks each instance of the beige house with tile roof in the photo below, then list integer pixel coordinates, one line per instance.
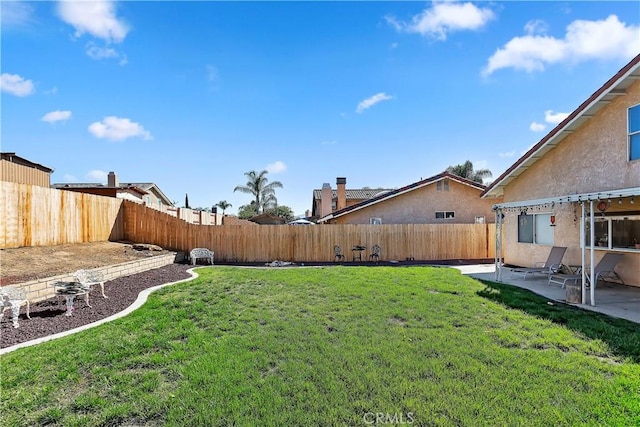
(441, 199)
(326, 200)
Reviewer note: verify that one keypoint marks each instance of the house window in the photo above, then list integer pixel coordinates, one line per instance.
(615, 232)
(375, 221)
(634, 132)
(535, 228)
(443, 185)
(445, 215)
(148, 200)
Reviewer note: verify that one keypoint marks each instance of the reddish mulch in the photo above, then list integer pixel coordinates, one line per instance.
(47, 316)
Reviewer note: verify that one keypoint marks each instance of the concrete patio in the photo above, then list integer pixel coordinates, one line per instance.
(611, 299)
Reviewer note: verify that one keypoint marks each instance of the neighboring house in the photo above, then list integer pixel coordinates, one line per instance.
(581, 179)
(267, 219)
(328, 200)
(22, 171)
(234, 220)
(441, 199)
(139, 192)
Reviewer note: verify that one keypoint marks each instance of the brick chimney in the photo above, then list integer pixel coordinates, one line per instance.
(112, 180)
(325, 200)
(342, 193)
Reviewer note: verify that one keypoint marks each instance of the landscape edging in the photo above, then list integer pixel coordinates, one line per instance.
(142, 298)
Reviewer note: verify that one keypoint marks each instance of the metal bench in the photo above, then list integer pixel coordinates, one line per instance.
(200, 253)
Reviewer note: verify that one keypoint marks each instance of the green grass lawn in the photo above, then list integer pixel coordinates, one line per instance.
(333, 346)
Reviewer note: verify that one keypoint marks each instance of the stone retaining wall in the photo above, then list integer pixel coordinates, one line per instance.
(40, 289)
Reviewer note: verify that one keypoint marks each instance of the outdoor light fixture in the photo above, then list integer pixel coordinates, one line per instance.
(632, 201)
(620, 201)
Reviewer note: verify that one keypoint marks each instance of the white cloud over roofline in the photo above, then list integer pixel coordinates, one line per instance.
(16, 85)
(445, 17)
(118, 129)
(584, 40)
(537, 127)
(554, 118)
(371, 101)
(97, 175)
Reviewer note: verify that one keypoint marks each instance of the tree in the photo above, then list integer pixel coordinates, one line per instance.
(284, 212)
(466, 170)
(186, 201)
(259, 186)
(247, 211)
(224, 205)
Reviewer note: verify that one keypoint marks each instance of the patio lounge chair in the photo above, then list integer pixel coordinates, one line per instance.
(548, 267)
(602, 270)
(337, 251)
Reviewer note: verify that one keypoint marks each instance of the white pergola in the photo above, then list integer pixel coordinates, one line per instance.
(586, 201)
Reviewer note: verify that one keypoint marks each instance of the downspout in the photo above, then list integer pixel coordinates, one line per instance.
(583, 259)
(592, 288)
(498, 254)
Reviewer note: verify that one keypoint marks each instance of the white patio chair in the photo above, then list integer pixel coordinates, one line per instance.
(88, 278)
(12, 297)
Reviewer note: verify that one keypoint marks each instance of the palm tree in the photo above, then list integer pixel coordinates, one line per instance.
(264, 191)
(466, 170)
(224, 205)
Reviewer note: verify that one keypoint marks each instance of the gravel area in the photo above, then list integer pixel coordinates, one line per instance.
(47, 316)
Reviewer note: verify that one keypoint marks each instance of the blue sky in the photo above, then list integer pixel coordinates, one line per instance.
(191, 95)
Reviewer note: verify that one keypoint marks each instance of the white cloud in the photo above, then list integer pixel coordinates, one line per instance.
(15, 13)
(16, 85)
(554, 118)
(118, 129)
(56, 116)
(97, 52)
(332, 142)
(370, 102)
(52, 91)
(537, 127)
(536, 26)
(507, 154)
(276, 167)
(97, 175)
(97, 18)
(445, 17)
(583, 41)
(69, 178)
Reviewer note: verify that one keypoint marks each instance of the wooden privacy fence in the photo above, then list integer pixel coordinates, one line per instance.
(40, 216)
(233, 243)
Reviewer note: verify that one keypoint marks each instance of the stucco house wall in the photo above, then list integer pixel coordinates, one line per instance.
(591, 159)
(419, 206)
